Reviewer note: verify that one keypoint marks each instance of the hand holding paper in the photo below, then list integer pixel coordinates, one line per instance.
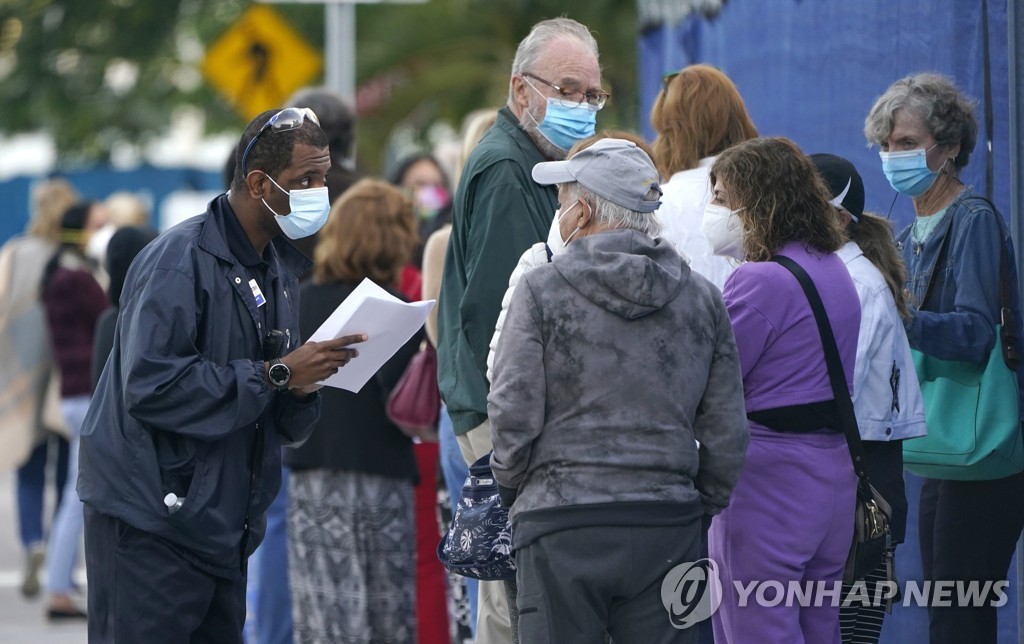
(315, 361)
(386, 320)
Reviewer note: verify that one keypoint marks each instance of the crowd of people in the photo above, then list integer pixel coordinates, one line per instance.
(616, 329)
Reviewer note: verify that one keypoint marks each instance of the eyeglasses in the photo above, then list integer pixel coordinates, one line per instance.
(290, 118)
(666, 79)
(574, 97)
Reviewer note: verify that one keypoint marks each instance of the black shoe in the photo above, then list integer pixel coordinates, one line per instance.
(62, 614)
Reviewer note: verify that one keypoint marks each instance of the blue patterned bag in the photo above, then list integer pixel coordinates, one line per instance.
(479, 542)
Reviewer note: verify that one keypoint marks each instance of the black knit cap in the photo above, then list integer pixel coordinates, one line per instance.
(842, 180)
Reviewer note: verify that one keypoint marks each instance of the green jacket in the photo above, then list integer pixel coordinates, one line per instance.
(499, 212)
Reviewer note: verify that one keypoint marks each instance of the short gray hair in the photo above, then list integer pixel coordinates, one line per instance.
(945, 111)
(543, 34)
(613, 215)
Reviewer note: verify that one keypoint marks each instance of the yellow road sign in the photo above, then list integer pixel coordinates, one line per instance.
(259, 61)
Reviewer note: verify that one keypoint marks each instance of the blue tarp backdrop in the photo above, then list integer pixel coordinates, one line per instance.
(810, 70)
(97, 184)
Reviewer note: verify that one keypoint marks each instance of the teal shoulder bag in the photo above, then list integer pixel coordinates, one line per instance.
(971, 409)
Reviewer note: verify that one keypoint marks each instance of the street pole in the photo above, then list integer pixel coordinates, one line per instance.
(340, 49)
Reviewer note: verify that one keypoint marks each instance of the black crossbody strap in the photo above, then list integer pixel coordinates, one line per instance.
(835, 366)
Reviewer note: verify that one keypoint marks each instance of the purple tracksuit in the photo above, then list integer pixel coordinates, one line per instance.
(791, 514)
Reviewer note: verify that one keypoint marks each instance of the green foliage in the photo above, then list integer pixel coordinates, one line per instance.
(454, 56)
(99, 72)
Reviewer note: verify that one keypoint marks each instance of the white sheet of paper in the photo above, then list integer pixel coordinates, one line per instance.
(386, 320)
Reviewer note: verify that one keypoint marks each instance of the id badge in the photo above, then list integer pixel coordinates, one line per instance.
(257, 294)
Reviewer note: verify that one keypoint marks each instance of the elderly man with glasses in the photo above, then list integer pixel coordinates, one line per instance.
(500, 211)
(180, 451)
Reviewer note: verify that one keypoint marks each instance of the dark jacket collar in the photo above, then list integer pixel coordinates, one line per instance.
(213, 239)
(508, 122)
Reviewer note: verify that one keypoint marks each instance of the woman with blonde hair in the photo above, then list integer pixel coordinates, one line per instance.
(697, 115)
(351, 532)
(27, 424)
(791, 515)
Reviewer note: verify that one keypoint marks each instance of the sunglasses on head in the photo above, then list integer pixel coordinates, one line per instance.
(290, 118)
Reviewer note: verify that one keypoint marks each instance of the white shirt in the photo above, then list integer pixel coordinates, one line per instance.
(682, 209)
(886, 394)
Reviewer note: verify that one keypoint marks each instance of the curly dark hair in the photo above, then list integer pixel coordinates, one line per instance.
(273, 151)
(778, 196)
(946, 111)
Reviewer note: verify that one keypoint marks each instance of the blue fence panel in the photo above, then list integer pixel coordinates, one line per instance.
(154, 184)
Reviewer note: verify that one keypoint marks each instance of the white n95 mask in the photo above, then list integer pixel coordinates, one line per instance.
(724, 231)
(555, 241)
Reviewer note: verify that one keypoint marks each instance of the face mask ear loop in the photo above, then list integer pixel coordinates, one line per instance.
(888, 215)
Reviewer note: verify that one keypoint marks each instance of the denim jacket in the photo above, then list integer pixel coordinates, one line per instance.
(958, 322)
(886, 394)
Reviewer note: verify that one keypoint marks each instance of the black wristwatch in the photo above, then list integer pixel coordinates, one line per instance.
(279, 375)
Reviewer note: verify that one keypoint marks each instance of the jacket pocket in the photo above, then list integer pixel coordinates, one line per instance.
(181, 473)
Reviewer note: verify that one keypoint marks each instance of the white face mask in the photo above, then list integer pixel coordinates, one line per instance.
(96, 247)
(724, 231)
(555, 241)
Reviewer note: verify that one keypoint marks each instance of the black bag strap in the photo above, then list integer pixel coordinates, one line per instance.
(835, 367)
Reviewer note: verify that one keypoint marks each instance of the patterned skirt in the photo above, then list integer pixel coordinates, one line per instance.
(352, 558)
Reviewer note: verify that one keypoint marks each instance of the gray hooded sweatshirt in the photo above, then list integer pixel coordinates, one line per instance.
(615, 360)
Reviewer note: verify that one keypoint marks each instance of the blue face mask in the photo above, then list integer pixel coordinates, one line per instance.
(309, 210)
(564, 125)
(908, 171)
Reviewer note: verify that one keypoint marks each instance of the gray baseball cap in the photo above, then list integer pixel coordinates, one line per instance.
(614, 169)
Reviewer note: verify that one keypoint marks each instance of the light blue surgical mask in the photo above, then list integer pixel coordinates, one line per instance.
(563, 124)
(908, 172)
(309, 210)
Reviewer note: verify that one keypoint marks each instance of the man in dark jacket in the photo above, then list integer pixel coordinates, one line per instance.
(499, 212)
(180, 451)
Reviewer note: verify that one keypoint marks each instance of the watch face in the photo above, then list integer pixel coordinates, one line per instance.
(279, 375)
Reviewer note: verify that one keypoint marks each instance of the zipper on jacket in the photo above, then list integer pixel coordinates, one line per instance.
(257, 449)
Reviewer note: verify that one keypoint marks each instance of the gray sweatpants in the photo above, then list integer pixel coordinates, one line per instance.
(577, 585)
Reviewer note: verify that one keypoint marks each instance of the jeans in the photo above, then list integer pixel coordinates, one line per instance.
(454, 468)
(67, 526)
(269, 618)
(31, 485)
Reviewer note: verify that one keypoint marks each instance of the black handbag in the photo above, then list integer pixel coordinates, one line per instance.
(479, 541)
(872, 533)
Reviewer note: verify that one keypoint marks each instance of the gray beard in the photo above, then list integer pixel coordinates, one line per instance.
(547, 148)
